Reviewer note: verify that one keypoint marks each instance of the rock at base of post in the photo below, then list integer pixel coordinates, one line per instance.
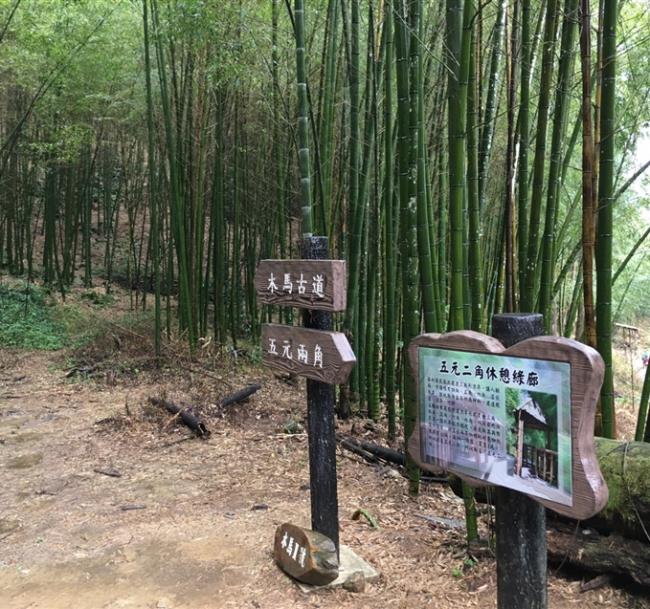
(305, 555)
(354, 574)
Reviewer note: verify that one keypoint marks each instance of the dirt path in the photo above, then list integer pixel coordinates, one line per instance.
(202, 535)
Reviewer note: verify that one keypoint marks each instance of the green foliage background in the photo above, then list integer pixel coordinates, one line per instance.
(27, 320)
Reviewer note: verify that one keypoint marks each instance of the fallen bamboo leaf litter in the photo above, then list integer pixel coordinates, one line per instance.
(189, 488)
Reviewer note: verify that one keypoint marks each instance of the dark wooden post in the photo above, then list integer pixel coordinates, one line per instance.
(520, 521)
(320, 423)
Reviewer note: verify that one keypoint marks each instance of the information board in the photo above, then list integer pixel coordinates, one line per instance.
(520, 418)
(503, 419)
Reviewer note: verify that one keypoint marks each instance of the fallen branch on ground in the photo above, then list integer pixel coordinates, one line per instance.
(185, 415)
(374, 453)
(113, 473)
(369, 451)
(352, 445)
(241, 395)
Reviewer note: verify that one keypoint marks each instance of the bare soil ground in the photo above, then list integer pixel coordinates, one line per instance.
(189, 523)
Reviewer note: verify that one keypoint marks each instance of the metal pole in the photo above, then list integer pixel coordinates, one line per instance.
(320, 423)
(520, 521)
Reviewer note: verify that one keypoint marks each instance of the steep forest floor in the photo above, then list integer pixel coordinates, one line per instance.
(189, 523)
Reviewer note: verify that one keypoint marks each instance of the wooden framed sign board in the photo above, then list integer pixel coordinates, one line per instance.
(521, 418)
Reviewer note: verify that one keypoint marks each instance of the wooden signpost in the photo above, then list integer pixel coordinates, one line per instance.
(315, 354)
(310, 284)
(517, 413)
(325, 358)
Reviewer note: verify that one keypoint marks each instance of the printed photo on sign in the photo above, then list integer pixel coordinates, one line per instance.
(505, 420)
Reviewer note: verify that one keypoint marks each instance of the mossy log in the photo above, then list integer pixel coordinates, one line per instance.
(626, 469)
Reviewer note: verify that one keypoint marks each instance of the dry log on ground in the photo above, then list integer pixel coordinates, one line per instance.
(383, 452)
(608, 554)
(185, 415)
(241, 395)
(369, 451)
(352, 445)
(374, 453)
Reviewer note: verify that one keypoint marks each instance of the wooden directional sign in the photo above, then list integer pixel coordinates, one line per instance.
(316, 354)
(310, 284)
(520, 418)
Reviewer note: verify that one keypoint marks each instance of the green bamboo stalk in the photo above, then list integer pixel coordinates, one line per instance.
(523, 133)
(236, 253)
(567, 54)
(572, 314)
(303, 119)
(372, 323)
(153, 201)
(373, 80)
(509, 200)
(457, 100)
(277, 147)
(327, 113)
(639, 242)
(433, 125)
(390, 219)
(355, 210)
(86, 224)
(443, 225)
(408, 234)
(642, 418)
(605, 217)
(49, 220)
(218, 230)
(431, 323)
(198, 129)
(490, 104)
(458, 46)
(475, 259)
(529, 289)
(70, 227)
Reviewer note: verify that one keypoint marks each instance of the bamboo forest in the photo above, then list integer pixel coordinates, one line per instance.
(437, 212)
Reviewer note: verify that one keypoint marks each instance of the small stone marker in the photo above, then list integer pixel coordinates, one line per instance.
(305, 555)
(316, 354)
(311, 284)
